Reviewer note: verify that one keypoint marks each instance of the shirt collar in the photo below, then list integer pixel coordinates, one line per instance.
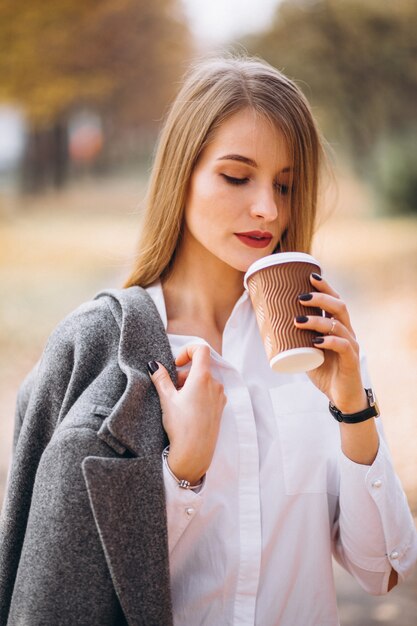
(157, 295)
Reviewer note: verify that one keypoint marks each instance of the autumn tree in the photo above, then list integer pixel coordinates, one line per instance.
(121, 57)
(357, 63)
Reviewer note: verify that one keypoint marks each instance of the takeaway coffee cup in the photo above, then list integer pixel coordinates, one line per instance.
(274, 284)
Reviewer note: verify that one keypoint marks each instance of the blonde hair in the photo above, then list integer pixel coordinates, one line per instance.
(213, 91)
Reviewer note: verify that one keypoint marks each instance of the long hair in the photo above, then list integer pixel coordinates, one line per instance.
(213, 91)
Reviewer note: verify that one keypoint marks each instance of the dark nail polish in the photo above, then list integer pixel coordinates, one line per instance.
(152, 367)
(301, 319)
(318, 339)
(316, 276)
(305, 297)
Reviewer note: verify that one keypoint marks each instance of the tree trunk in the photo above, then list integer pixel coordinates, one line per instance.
(45, 162)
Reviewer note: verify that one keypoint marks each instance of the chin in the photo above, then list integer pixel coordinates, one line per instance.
(244, 265)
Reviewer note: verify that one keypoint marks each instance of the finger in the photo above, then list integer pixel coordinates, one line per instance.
(333, 307)
(323, 325)
(200, 371)
(161, 379)
(191, 351)
(340, 345)
(182, 376)
(321, 284)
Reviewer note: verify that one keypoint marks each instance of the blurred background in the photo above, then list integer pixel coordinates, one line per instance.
(84, 87)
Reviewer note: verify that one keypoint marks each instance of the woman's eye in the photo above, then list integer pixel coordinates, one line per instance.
(284, 190)
(235, 181)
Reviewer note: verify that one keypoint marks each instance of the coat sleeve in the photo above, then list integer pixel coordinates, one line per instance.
(43, 401)
(22, 402)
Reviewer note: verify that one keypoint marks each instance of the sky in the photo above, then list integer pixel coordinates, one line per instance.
(217, 21)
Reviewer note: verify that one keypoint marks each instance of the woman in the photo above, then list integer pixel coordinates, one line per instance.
(215, 494)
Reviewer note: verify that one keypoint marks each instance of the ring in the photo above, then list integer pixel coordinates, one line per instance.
(333, 321)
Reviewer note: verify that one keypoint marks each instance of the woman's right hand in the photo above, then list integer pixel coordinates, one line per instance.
(191, 414)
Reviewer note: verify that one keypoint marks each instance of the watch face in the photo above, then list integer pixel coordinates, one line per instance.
(372, 401)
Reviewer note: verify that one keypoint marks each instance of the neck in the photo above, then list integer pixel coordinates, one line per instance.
(203, 289)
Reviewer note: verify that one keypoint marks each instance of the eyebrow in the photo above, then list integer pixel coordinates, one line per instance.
(238, 157)
(247, 160)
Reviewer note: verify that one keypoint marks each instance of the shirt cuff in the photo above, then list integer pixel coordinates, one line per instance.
(376, 527)
(182, 506)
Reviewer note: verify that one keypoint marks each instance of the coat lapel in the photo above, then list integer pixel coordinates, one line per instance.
(136, 420)
(128, 503)
(127, 494)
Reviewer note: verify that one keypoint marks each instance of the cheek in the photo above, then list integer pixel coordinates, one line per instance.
(284, 214)
(206, 188)
(207, 200)
(198, 196)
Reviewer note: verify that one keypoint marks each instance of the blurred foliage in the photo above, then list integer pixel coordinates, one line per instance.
(123, 56)
(119, 58)
(395, 173)
(357, 63)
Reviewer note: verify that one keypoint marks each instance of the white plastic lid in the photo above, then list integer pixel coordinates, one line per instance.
(297, 360)
(278, 258)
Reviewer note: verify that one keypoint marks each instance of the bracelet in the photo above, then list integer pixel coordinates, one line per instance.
(184, 484)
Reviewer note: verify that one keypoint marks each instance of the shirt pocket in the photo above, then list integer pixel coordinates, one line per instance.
(309, 439)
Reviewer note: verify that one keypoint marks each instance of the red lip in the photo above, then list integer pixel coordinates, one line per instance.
(255, 238)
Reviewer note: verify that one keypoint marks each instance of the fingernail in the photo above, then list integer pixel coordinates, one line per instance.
(301, 319)
(318, 339)
(152, 367)
(316, 276)
(305, 296)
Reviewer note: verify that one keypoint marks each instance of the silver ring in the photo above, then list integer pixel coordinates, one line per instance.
(333, 321)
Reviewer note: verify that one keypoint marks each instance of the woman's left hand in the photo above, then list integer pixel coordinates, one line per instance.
(339, 377)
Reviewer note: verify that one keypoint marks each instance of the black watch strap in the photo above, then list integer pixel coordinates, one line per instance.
(354, 418)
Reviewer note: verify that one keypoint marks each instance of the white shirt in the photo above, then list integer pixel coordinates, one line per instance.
(255, 545)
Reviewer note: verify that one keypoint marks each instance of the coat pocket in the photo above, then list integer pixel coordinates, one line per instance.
(309, 439)
(101, 410)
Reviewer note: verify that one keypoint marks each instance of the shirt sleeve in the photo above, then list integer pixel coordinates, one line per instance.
(182, 506)
(375, 530)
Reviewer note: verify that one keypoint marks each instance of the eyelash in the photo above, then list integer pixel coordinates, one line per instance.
(282, 189)
(235, 181)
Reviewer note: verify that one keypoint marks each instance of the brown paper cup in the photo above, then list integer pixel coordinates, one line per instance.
(274, 284)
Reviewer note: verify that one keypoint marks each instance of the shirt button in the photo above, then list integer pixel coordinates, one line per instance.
(189, 511)
(377, 483)
(394, 555)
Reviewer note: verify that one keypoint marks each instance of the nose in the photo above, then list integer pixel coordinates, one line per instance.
(264, 205)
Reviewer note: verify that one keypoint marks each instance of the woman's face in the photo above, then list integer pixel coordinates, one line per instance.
(237, 206)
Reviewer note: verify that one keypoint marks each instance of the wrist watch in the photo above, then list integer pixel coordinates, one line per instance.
(354, 418)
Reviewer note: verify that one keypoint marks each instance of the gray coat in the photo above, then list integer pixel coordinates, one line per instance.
(83, 535)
